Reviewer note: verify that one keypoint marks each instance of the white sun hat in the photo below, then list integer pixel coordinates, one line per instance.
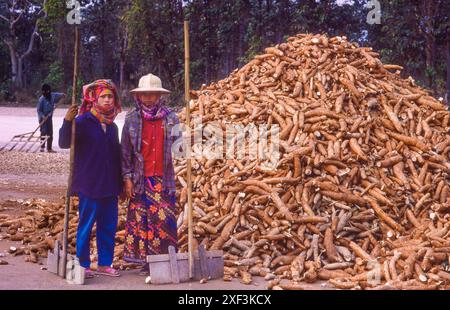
(150, 83)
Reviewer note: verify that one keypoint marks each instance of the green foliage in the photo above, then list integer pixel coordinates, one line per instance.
(56, 13)
(79, 90)
(404, 40)
(55, 76)
(6, 87)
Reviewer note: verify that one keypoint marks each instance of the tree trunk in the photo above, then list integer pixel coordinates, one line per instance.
(243, 22)
(241, 41)
(123, 50)
(20, 81)
(430, 48)
(430, 55)
(121, 73)
(67, 48)
(16, 68)
(17, 58)
(448, 71)
(14, 61)
(207, 47)
(102, 52)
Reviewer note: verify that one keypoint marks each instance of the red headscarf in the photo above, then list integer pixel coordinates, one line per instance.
(91, 93)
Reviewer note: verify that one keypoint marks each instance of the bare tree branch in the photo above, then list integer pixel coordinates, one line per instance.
(13, 5)
(43, 9)
(4, 18)
(31, 43)
(16, 20)
(7, 42)
(35, 32)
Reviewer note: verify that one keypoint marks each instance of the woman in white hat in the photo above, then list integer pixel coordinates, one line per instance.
(148, 173)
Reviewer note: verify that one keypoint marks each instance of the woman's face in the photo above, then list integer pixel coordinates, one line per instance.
(106, 99)
(149, 99)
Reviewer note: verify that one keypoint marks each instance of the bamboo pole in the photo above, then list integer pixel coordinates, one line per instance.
(72, 153)
(187, 99)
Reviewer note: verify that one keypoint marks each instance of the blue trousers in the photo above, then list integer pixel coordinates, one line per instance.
(104, 213)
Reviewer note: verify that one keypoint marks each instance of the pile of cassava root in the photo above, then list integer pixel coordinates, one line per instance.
(359, 196)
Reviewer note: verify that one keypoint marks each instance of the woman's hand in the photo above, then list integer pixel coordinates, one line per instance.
(71, 113)
(129, 189)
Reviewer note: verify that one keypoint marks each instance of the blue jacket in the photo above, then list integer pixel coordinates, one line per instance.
(97, 162)
(46, 107)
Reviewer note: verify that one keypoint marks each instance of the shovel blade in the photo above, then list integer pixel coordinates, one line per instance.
(52, 262)
(54, 259)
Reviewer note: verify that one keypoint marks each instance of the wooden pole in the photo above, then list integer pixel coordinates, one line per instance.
(72, 153)
(187, 99)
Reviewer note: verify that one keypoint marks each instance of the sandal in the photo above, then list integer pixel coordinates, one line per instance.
(108, 271)
(89, 273)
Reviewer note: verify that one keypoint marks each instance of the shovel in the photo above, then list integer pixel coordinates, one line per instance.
(58, 261)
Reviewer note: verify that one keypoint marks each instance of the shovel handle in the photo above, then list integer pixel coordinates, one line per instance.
(72, 153)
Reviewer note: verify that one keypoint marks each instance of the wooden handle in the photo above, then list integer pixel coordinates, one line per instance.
(72, 153)
(187, 99)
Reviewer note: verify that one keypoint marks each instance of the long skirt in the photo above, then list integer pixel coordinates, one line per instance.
(151, 225)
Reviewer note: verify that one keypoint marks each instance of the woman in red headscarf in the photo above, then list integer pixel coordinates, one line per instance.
(97, 171)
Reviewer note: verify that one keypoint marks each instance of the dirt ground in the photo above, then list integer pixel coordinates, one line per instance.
(21, 275)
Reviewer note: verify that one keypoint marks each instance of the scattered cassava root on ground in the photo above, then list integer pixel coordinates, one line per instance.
(42, 224)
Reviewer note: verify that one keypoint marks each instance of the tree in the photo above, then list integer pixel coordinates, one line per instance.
(19, 28)
(125, 39)
(4, 65)
(448, 71)
(155, 32)
(416, 40)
